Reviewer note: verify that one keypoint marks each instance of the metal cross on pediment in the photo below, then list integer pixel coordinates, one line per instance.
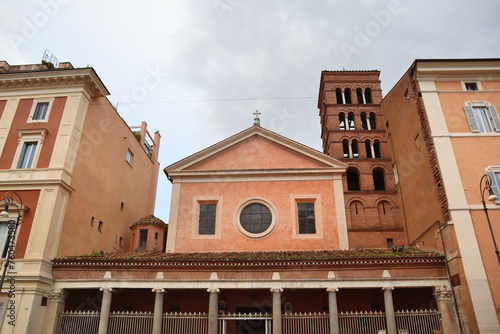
(256, 120)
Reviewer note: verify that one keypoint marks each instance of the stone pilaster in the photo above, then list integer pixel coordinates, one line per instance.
(390, 316)
(449, 320)
(105, 308)
(158, 312)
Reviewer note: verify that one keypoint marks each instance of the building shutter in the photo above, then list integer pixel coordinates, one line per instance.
(494, 184)
(472, 120)
(495, 118)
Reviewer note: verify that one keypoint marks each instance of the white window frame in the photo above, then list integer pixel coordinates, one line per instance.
(243, 205)
(130, 157)
(28, 136)
(199, 200)
(491, 117)
(33, 108)
(494, 177)
(318, 217)
(478, 85)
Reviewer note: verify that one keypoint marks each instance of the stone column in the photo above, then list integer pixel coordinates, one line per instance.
(55, 305)
(449, 319)
(276, 310)
(158, 313)
(213, 310)
(105, 307)
(390, 317)
(350, 150)
(332, 308)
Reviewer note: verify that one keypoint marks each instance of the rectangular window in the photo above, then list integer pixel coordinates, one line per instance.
(471, 86)
(27, 155)
(206, 221)
(143, 241)
(307, 222)
(40, 112)
(129, 157)
(4, 239)
(482, 118)
(494, 177)
(92, 221)
(121, 242)
(99, 227)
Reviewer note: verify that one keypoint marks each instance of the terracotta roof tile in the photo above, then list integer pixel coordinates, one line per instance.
(150, 220)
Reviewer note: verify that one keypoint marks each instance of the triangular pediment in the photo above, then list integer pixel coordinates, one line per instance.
(253, 149)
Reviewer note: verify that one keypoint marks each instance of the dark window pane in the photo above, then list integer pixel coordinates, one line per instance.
(255, 218)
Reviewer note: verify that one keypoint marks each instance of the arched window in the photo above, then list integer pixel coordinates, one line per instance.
(378, 179)
(355, 153)
(368, 147)
(345, 146)
(342, 121)
(385, 214)
(338, 92)
(350, 121)
(359, 94)
(373, 124)
(364, 122)
(347, 95)
(357, 214)
(376, 148)
(368, 95)
(352, 179)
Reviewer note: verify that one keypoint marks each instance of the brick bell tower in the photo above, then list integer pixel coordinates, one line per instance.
(353, 131)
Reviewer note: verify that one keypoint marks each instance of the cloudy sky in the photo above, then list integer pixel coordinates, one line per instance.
(214, 62)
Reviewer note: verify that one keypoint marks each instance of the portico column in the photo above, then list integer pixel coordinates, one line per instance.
(449, 319)
(390, 317)
(158, 313)
(55, 305)
(276, 310)
(332, 308)
(213, 310)
(105, 307)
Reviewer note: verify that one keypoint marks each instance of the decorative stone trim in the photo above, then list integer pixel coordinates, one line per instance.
(442, 292)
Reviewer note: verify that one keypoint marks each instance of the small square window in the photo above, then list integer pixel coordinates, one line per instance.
(121, 242)
(130, 156)
(471, 86)
(390, 243)
(121, 206)
(40, 110)
(92, 221)
(99, 227)
(27, 155)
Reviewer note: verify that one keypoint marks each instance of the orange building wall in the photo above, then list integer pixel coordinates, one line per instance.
(473, 154)
(278, 193)
(102, 179)
(20, 123)
(421, 207)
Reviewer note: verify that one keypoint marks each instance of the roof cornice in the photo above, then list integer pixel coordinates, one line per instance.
(81, 77)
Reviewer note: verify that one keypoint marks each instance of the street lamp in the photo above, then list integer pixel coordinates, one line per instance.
(492, 198)
(12, 229)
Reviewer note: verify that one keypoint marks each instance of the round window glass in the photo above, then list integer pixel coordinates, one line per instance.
(255, 218)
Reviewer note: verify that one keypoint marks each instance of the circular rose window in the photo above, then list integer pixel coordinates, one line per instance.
(255, 218)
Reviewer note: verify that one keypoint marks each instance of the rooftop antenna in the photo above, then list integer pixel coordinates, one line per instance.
(256, 120)
(50, 60)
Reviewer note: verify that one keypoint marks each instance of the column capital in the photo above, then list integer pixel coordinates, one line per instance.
(57, 295)
(276, 290)
(387, 288)
(158, 290)
(106, 289)
(332, 289)
(442, 292)
(213, 290)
